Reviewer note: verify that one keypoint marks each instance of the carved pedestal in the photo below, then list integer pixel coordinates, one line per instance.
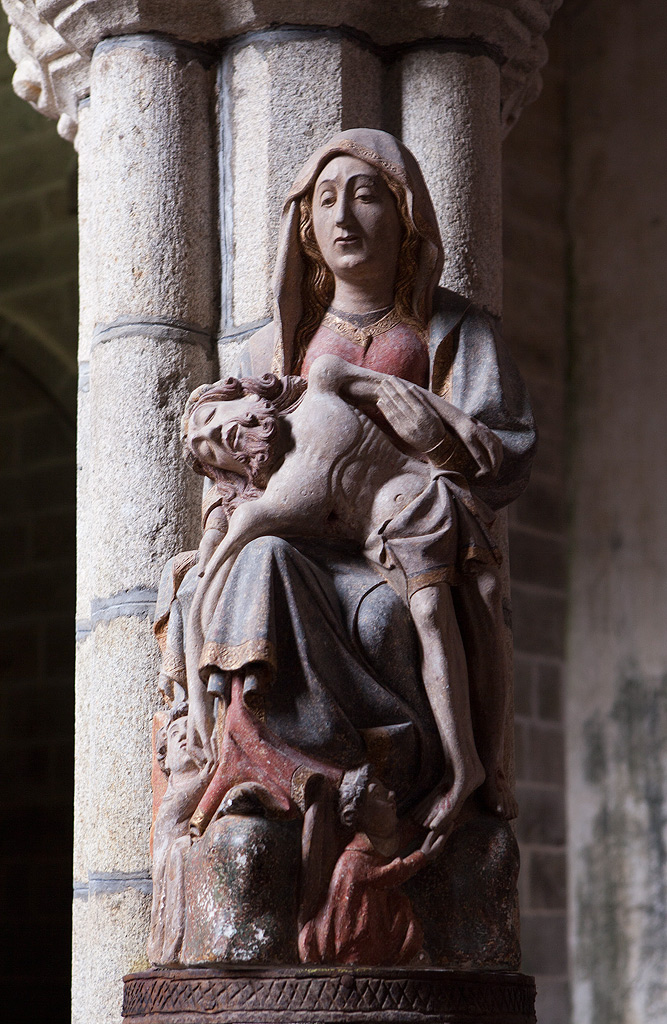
(328, 996)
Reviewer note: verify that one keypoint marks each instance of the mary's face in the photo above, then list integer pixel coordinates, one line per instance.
(355, 220)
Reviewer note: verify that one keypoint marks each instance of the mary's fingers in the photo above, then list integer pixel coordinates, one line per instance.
(391, 409)
(411, 404)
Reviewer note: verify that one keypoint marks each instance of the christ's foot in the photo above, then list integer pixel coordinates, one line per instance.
(440, 810)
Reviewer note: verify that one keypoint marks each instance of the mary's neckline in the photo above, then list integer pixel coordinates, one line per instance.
(361, 320)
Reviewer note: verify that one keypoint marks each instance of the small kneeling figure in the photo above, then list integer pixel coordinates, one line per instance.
(171, 840)
(366, 919)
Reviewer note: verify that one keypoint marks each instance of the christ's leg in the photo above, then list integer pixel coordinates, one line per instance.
(479, 603)
(445, 678)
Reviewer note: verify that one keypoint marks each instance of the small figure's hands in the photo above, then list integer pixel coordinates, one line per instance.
(206, 773)
(410, 414)
(200, 732)
(432, 845)
(166, 687)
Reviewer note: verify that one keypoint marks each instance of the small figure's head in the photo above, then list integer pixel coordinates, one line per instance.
(230, 432)
(366, 805)
(171, 742)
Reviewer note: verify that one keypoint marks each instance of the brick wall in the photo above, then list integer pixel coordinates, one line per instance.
(535, 245)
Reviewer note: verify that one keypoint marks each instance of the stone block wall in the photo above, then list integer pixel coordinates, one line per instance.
(535, 317)
(616, 711)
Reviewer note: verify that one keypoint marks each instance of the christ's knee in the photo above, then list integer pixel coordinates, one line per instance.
(426, 607)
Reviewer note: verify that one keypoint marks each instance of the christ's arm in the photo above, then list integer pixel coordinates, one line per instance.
(429, 424)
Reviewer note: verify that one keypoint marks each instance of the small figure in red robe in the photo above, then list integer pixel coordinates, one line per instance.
(365, 918)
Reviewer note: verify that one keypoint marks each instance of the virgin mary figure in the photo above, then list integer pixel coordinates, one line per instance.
(309, 632)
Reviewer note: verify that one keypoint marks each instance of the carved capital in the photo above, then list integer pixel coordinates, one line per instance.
(52, 41)
(50, 75)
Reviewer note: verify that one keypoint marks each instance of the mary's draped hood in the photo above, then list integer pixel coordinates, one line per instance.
(394, 161)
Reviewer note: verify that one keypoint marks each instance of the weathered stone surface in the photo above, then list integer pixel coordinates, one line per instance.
(152, 150)
(449, 121)
(147, 505)
(467, 898)
(84, 775)
(282, 97)
(115, 703)
(110, 924)
(241, 892)
(616, 711)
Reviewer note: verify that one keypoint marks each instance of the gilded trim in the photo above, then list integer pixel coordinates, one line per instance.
(450, 574)
(228, 658)
(298, 785)
(361, 336)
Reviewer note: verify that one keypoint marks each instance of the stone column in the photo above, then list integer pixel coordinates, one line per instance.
(148, 315)
(450, 119)
(282, 93)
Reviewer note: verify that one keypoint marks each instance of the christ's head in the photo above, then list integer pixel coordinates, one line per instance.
(231, 432)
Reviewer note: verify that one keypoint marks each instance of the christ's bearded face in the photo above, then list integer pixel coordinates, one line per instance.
(232, 436)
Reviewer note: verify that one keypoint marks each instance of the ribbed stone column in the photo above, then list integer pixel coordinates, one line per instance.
(451, 121)
(149, 298)
(283, 93)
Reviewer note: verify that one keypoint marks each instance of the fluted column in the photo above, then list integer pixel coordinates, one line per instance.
(282, 93)
(450, 118)
(148, 317)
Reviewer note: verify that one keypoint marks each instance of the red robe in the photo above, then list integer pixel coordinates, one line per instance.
(366, 919)
(399, 351)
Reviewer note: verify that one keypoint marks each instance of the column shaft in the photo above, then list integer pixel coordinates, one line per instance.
(283, 94)
(148, 319)
(450, 110)
(451, 122)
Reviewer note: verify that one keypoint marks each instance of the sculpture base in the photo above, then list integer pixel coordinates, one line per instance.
(327, 995)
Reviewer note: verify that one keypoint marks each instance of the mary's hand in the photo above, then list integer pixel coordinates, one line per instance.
(409, 413)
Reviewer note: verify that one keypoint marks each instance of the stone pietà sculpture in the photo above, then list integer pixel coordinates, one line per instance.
(333, 655)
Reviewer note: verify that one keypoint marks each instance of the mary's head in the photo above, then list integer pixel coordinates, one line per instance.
(358, 231)
(360, 246)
